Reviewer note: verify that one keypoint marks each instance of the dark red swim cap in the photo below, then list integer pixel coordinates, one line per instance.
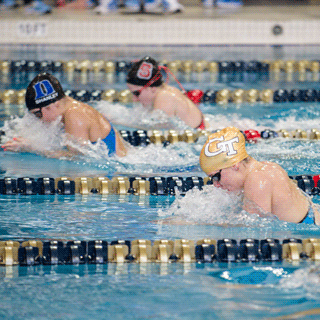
(143, 71)
(43, 90)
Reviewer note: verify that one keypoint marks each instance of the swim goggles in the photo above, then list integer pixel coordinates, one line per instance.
(38, 113)
(217, 176)
(156, 77)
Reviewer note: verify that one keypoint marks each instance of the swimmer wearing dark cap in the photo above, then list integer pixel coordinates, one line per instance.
(146, 84)
(46, 99)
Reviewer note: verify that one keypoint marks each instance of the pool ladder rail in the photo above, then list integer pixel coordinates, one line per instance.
(56, 252)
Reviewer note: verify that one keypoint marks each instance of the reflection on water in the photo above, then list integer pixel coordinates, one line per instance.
(146, 291)
(113, 217)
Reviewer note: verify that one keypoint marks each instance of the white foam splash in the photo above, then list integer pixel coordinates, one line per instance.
(292, 123)
(155, 158)
(305, 278)
(138, 116)
(51, 136)
(45, 135)
(219, 121)
(285, 148)
(211, 206)
(259, 116)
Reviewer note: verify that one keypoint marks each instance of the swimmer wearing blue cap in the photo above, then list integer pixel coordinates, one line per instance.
(145, 82)
(266, 187)
(46, 99)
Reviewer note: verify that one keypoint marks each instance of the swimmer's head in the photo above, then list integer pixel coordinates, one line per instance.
(43, 90)
(145, 72)
(223, 150)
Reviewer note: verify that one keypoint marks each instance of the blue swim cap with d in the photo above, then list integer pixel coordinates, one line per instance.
(43, 90)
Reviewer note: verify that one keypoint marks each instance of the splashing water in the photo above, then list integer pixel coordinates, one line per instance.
(260, 116)
(181, 157)
(288, 122)
(139, 117)
(296, 156)
(212, 206)
(285, 148)
(291, 123)
(220, 121)
(153, 158)
(303, 117)
(48, 136)
(306, 278)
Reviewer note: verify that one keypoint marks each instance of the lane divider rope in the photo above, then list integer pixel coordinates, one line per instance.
(210, 96)
(57, 252)
(124, 185)
(184, 66)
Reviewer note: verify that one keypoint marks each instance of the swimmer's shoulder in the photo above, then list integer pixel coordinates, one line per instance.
(274, 174)
(263, 173)
(269, 166)
(80, 112)
(169, 92)
(170, 98)
(80, 108)
(164, 100)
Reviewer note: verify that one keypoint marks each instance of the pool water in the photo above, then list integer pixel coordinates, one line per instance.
(217, 290)
(140, 291)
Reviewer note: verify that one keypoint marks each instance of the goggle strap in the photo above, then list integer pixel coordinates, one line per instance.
(167, 71)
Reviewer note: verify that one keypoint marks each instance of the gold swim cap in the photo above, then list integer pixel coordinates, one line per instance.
(222, 150)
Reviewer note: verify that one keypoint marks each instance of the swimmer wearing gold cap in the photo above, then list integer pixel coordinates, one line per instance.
(266, 186)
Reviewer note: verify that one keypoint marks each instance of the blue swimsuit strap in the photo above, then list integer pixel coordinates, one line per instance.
(309, 218)
(110, 141)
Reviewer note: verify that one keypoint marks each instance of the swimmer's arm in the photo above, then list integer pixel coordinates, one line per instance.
(58, 154)
(257, 194)
(20, 144)
(176, 106)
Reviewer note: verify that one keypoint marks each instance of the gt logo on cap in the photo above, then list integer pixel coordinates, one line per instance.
(145, 71)
(223, 146)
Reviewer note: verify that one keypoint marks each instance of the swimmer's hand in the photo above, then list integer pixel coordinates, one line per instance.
(18, 145)
(24, 145)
